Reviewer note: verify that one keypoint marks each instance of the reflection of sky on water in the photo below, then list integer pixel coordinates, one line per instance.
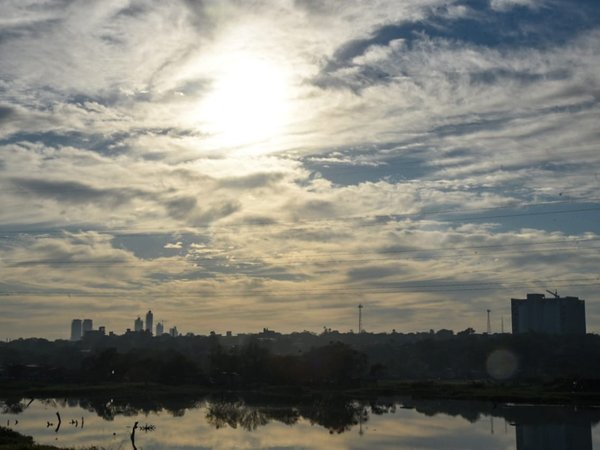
(401, 429)
(224, 425)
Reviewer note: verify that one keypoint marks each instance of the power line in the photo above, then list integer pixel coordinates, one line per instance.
(447, 163)
(373, 220)
(240, 262)
(236, 259)
(396, 288)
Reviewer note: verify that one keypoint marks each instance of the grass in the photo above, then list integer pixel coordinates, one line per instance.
(525, 392)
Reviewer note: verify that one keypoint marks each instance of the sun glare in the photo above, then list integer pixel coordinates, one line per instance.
(248, 103)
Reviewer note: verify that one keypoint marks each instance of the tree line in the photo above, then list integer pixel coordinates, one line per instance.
(212, 360)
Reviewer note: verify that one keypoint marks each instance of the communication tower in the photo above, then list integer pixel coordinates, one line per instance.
(360, 307)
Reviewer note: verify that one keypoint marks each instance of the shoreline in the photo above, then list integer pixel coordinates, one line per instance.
(523, 393)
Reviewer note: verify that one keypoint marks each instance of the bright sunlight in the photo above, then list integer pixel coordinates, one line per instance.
(248, 104)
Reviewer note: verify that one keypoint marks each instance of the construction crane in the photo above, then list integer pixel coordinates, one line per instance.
(555, 293)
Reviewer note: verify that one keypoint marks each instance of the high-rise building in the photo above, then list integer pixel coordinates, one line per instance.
(88, 325)
(149, 321)
(76, 329)
(160, 329)
(138, 325)
(173, 332)
(556, 315)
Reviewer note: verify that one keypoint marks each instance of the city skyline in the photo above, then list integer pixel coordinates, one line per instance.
(80, 328)
(275, 164)
(536, 313)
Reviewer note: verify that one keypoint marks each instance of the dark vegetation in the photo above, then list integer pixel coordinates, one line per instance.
(329, 360)
(333, 380)
(12, 440)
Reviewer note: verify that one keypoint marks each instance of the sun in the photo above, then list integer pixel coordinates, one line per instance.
(248, 103)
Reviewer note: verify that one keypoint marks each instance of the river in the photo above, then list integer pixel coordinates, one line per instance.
(320, 423)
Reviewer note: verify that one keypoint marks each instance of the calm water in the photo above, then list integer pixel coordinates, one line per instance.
(319, 424)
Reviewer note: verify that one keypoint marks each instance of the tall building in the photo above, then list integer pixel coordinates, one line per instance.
(173, 332)
(540, 314)
(149, 320)
(138, 325)
(76, 329)
(88, 325)
(160, 329)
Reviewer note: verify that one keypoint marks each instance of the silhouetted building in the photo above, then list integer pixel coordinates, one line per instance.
(266, 333)
(138, 325)
(556, 315)
(76, 329)
(173, 332)
(94, 336)
(160, 329)
(149, 321)
(88, 325)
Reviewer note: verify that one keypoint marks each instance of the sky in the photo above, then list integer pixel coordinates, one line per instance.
(236, 165)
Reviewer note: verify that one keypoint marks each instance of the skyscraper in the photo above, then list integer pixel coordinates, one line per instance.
(160, 329)
(138, 325)
(88, 325)
(76, 329)
(149, 321)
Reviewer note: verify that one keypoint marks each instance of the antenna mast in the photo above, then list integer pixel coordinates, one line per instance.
(360, 307)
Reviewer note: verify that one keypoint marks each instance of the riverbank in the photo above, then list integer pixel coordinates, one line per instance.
(12, 440)
(555, 392)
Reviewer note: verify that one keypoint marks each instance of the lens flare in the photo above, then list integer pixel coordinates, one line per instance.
(501, 364)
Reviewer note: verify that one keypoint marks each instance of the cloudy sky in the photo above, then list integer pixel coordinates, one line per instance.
(234, 165)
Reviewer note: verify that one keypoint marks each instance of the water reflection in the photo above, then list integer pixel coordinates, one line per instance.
(536, 427)
(335, 414)
(554, 433)
(248, 421)
(554, 437)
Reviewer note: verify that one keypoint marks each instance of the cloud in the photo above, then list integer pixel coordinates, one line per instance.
(505, 5)
(181, 207)
(257, 180)
(73, 192)
(418, 128)
(370, 273)
(6, 113)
